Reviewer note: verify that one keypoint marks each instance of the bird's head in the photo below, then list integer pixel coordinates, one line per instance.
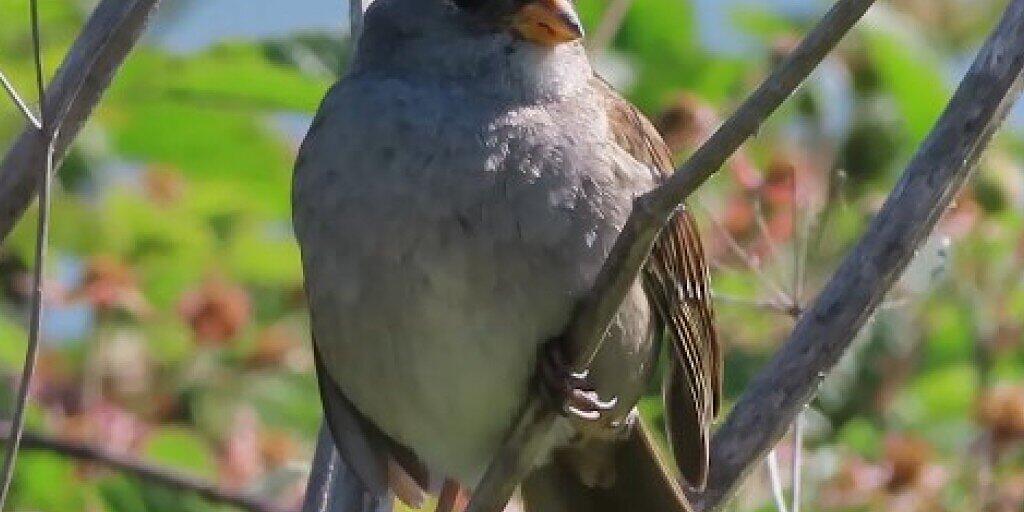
(545, 22)
(509, 48)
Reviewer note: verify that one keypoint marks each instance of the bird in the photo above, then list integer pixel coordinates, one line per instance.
(457, 193)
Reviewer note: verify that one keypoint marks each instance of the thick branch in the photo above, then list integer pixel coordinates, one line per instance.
(141, 470)
(932, 179)
(101, 47)
(650, 214)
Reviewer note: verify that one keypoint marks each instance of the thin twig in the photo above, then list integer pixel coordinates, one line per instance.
(775, 478)
(611, 22)
(35, 330)
(805, 244)
(98, 51)
(798, 461)
(773, 307)
(796, 293)
(650, 213)
(20, 103)
(48, 130)
(143, 471)
(784, 300)
(37, 50)
(749, 261)
(931, 180)
(762, 226)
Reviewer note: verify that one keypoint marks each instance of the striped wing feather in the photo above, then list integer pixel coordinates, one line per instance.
(676, 282)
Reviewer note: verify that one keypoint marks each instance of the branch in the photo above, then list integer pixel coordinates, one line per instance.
(101, 47)
(611, 21)
(19, 102)
(932, 179)
(650, 214)
(157, 475)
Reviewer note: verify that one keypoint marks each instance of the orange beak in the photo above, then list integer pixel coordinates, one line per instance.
(548, 22)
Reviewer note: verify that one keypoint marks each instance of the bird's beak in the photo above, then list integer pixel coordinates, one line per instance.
(548, 22)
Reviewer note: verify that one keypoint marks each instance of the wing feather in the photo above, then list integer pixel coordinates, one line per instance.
(677, 284)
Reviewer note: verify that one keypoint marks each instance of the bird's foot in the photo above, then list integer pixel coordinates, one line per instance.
(572, 393)
(454, 497)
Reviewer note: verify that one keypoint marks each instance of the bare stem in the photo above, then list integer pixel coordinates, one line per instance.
(45, 176)
(798, 461)
(611, 22)
(774, 475)
(751, 263)
(147, 472)
(19, 102)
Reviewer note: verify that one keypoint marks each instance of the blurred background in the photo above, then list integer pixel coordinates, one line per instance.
(175, 330)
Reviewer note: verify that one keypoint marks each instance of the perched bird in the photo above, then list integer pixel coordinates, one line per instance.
(456, 196)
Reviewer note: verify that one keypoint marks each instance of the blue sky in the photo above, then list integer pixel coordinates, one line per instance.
(200, 23)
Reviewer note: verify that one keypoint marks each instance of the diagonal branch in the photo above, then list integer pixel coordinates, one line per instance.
(146, 472)
(932, 179)
(101, 47)
(650, 213)
(611, 21)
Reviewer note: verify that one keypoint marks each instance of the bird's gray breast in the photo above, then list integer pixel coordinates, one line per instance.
(444, 237)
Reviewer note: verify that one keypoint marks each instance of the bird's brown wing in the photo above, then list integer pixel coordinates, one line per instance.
(676, 282)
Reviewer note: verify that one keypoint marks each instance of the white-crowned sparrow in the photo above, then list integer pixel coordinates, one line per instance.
(455, 197)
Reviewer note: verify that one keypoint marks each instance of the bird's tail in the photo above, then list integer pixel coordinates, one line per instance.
(634, 479)
(334, 487)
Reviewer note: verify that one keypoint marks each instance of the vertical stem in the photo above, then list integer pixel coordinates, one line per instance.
(35, 328)
(42, 239)
(798, 456)
(35, 325)
(37, 48)
(776, 481)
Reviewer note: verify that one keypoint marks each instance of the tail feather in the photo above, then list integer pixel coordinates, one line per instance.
(335, 487)
(641, 482)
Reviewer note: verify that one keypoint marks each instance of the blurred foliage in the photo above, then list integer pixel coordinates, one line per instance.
(176, 330)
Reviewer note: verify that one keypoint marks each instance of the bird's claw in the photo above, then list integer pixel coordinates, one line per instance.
(571, 391)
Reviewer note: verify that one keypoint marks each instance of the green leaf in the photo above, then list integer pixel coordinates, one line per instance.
(950, 334)
(285, 401)
(237, 75)
(13, 339)
(122, 495)
(170, 248)
(225, 151)
(46, 482)
(911, 73)
(182, 449)
(862, 437)
(263, 256)
(939, 396)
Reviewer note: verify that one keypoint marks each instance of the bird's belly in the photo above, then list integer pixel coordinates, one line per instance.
(436, 341)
